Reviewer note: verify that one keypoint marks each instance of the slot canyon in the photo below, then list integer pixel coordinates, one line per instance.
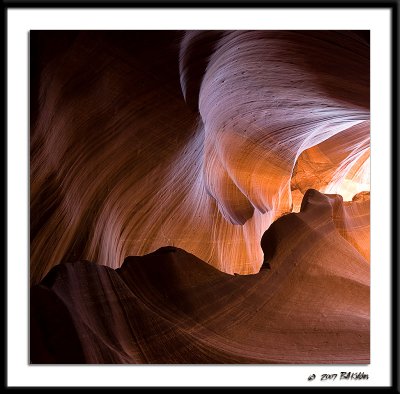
(199, 197)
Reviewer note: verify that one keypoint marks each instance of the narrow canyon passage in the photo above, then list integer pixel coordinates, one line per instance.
(199, 197)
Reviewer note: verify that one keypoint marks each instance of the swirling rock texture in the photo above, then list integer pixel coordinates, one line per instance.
(199, 197)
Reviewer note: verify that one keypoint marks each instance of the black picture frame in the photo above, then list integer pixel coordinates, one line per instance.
(393, 6)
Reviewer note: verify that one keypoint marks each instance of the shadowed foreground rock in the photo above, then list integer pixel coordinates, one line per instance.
(311, 306)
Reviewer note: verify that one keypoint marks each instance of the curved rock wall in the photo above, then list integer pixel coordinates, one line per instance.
(198, 140)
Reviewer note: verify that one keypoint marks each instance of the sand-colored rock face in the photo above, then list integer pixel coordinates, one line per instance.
(243, 149)
(121, 164)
